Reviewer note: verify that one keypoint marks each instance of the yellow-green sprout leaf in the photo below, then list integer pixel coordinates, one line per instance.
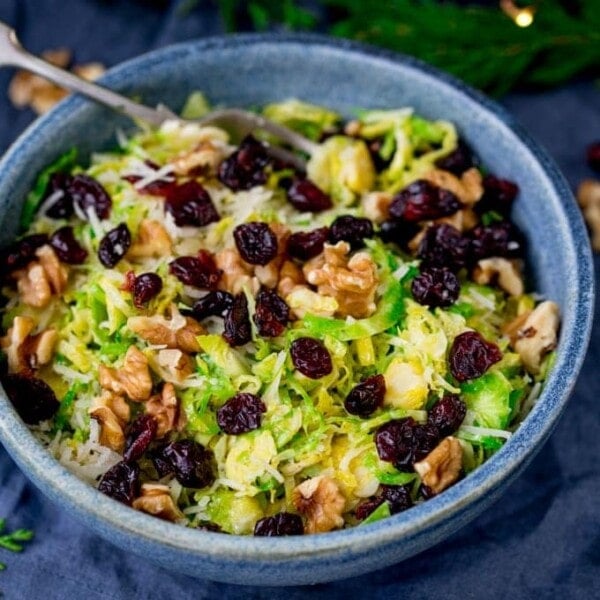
(234, 514)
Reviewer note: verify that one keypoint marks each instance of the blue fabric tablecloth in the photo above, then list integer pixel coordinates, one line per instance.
(542, 539)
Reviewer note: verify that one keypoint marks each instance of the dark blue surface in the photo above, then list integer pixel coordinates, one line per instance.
(542, 538)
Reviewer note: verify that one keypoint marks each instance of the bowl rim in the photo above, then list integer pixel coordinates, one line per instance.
(38, 464)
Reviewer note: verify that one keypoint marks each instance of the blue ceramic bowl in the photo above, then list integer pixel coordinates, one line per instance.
(252, 70)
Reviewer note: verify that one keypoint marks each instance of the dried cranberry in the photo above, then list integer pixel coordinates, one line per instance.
(190, 204)
(458, 161)
(593, 156)
(192, 463)
(244, 169)
(365, 508)
(214, 304)
(271, 314)
(87, 193)
(20, 253)
(498, 195)
(351, 229)
(366, 397)
(237, 328)
(67, 248)
(121, 482)
(256, 242)
(471, 355)
(283, 523)
(139, 435)
(61, 206)
(161, 463)
(435, 287)
(422, 201)
(497, 239)
(444, 246)
(311, 357)
(305, 196)
(32, 398)
(241, 414)
(398, 232)
(198, 271)
(114, 245)
(447, 414)
(304, 245)
(145, 287)
(404, 442)
(398, 497)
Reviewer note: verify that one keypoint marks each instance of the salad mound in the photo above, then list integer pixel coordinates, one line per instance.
(215, 338)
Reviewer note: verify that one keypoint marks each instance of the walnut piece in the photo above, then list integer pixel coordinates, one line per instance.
(376, 206)
(112, 413)
(441, 467)
(176, 332)
(536, 334)
(156, 500)
(164, 407)
(352, 282)
(237, 274)
(302, 300)
(132, 379)
(588, 196)
(504, 272)
(25, 351)
(174, 366)
(321, 501)
(152, 241)
(205, 157)
(290, 276)
(468, 189)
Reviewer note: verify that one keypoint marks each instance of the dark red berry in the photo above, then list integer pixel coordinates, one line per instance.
(32, 398)
(283, 523)
(351, 229)
(87, 193)
(471, 355)
(404, 442)
(593, 155)
(271, 314)
(502, 238)
(214, 304)
(444, 246)
(67, 248)
(365, 508)
(145, 287)
(305, 196)
(114, 246)
(241, 414)
(305, 245)
(447, 414)
(245, 168)
(61, 206)
(198, 271)
(311, 357)
(423, 201)
(435, 287)
(191, 462)
(458, 161)
(161, 463)
(121, 482)
(398, 232)
(374, 147)
(366, 397)
(139, 435)
(498, 195)
(256, 242)
(190, 204)
(20, 253)
(398, 497)
(237, 329)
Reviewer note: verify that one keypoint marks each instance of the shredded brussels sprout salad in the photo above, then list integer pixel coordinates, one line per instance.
(214, 338)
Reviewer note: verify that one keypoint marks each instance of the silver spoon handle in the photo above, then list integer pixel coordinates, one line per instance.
(13, 54)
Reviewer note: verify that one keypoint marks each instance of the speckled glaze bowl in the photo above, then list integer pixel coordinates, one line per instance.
(252, 70)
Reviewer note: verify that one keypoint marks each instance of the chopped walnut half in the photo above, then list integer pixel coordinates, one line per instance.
(504, 272)
(205, 157)
(156, 500)
(269, 274)
(42, 278)
(132, 379)
(174, 366)
(176, 332)
(351, 281)
(468, 189)
(536, 334)
(302, 300)
(112, 413)
(152, 241)
(290, 276)
(321, 501)
(25, 351)
(164, 407)
(376, 206)
(441, 467)
(588, 196)
(463, 219)
(237, 274)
